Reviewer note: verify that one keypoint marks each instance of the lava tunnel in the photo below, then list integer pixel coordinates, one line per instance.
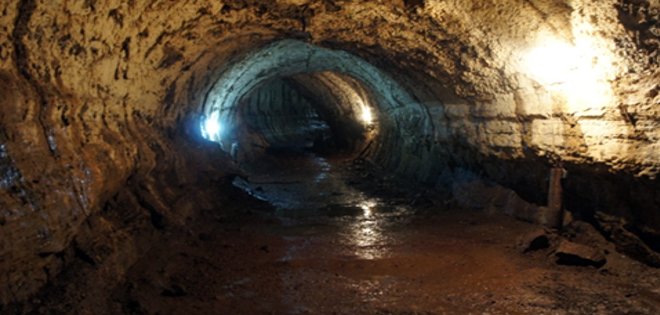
(359, 103)
(329, 157)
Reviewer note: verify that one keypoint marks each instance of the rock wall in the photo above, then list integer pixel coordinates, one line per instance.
(100, 96)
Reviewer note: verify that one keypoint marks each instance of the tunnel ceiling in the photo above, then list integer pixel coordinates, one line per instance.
(104, 95)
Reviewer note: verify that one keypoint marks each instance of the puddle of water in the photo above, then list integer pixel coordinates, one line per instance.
(313, 198)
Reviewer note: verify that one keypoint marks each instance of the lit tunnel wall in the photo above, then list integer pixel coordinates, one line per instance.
(404, 123)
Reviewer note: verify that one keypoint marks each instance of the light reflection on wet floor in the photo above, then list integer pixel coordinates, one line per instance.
(312, 196)
(333, 249)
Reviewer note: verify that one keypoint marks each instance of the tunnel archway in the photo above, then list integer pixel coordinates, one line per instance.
(322, 112)
(403, 123)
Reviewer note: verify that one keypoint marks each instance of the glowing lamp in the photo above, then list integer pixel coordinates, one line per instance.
(552, 63)
(571, 70)
(366, 116)
(211, 127)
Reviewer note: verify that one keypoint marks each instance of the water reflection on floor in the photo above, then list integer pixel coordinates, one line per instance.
(330, 248)
(310, 192)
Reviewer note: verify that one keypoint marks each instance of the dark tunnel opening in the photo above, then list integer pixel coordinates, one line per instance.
(322, 113)
(285, 119)
(305, 128)
(306, 113)
(357, 102)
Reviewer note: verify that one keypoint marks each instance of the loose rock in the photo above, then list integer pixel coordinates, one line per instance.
(535, 240)
(569, 253)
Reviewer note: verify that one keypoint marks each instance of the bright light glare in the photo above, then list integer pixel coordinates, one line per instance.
(367, 206)
(366, 115)
(366, 234)
(211, 127)
(552, 62)
(572, 70)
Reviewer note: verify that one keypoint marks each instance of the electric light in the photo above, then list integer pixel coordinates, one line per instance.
(579, 72)
(366, 116)
(211, 127)
(552, 62)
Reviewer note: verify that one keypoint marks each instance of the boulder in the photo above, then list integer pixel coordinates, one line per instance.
(534, 240)
(569, 253)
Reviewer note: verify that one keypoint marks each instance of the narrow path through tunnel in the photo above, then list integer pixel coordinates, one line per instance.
(329, 157)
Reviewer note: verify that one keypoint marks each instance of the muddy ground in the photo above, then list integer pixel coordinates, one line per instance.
(327, 238)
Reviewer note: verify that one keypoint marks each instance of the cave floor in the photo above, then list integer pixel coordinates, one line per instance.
(325, 246)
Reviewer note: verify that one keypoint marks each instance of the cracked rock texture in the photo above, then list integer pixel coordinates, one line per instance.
(99, 106)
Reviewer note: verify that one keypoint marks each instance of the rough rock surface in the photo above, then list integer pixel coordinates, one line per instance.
(99, 134)
(535, 240)
(569, 253)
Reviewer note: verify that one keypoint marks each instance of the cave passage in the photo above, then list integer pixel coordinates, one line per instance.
(294, 96)
(288, 138)
(316, 107)
(329, 157)
(322, 217)
(300, 139)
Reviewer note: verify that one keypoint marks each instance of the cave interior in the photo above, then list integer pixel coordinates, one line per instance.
(330, 157)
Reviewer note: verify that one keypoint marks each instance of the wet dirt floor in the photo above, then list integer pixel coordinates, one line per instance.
(327, 247)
